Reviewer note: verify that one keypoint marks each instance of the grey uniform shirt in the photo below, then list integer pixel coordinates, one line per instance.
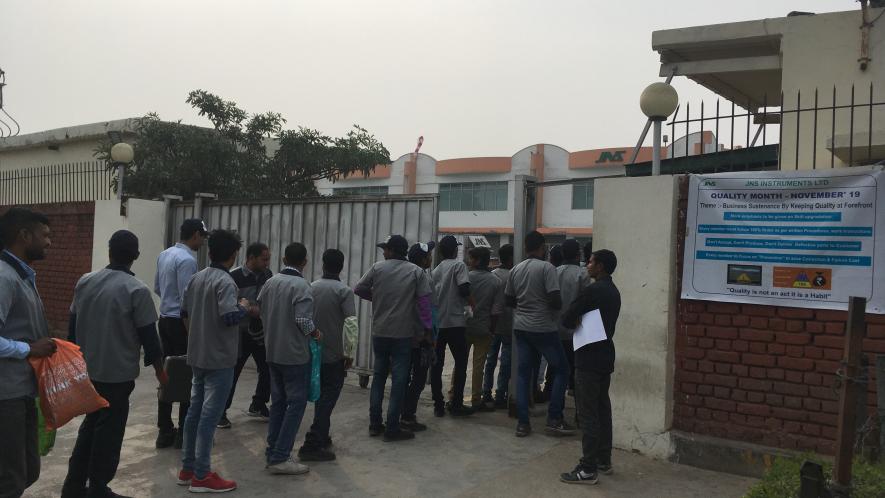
(505, 321)
(212, 343)
(110, 305)
(572, 280)
(447, 276)
(395, 286)
(530, 282)
(333, 302)
(284, 299)
(21, 319)
(488, 299)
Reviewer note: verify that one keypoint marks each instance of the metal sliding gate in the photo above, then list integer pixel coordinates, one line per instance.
(351, 224)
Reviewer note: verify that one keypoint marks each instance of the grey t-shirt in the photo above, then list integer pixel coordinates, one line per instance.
(212, 344)
(447, 276)
(505, 321)
(530, 282)
(395, 285)
(333, 302)
(488, 300)
(21, 319)
(572, 280)
(284, 298)
(110, 305)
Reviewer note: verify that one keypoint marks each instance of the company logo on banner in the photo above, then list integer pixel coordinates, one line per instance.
(802, 239)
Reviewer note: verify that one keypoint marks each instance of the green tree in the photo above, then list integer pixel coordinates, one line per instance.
(242, 156)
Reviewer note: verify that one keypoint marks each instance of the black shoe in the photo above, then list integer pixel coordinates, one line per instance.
(482, 406)
(376, 430)
(439, 411)
(179, 439)
(315, 455)
(258, 410)
(224, 423)
(578, 476)
(165, 439)
(523, 430)
(500, 403)
(605, 468)
(559, 429)
(460, 411)
(400, 435)
(412, 425)
(487, 398)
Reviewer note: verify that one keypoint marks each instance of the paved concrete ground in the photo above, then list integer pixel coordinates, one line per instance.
(478, 456)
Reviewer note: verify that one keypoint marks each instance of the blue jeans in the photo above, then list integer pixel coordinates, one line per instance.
(289, 385)
(392, 357)
(209, 393)
(503, 374)
(529, 346)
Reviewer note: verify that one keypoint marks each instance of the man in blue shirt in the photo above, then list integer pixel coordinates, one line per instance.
(175, 267)
(23, 333)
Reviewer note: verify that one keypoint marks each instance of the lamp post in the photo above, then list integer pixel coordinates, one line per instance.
(658, 101)
(121, 155)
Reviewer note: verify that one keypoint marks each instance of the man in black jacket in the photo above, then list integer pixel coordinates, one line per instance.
(594, 364)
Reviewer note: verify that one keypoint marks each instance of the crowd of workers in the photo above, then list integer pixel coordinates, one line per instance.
(216, 318)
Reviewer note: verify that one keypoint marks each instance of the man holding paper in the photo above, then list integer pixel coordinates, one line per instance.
(594, 364)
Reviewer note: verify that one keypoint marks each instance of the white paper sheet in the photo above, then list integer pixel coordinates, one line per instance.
(590, 330)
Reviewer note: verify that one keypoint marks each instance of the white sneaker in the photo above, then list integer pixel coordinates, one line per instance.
(289, 467)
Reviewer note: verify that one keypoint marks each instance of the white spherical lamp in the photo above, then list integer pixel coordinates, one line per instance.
(122, 153)
(658, 101)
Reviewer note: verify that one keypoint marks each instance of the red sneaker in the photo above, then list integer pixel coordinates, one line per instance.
(212, 483)
(184, 477)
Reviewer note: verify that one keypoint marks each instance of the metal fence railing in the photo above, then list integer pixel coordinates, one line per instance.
(81, 181)
(812, 130)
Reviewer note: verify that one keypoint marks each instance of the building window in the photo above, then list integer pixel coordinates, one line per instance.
(582, 195)
(485, 196)
(355, 191)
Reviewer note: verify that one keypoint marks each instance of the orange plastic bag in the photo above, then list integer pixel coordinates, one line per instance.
(63, 385)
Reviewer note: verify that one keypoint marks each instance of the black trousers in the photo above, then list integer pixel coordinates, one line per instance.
(20, 458)
(456, 339)
(249, 347)
(173, 337)
(595, 415)
(331, 382)
(96, 453)
(417, 380)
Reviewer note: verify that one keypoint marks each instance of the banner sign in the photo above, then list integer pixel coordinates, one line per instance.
(807, 239)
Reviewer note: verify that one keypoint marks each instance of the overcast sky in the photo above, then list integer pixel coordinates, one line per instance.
(475, 77)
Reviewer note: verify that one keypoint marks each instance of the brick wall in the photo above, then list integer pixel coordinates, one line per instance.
(69, 257)
(761, 374)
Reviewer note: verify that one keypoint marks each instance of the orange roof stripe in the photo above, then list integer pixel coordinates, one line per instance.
(473, 165)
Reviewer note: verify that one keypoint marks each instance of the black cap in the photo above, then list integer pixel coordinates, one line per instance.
(194, 225)
(420, 250)
(124, 242)
(396, 243)
(449, 242)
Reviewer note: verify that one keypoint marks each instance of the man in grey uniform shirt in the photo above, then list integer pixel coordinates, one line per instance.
(23, 333)
(213, 314)
(175, 267)
(486, 290)
(333, 306)
(399, 291)
(501, 340)
(451, 284)
(112, 318)
(572, 280)
(533, 290)
(287, 313)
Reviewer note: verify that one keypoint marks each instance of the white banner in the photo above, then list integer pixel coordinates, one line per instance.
(808, 239)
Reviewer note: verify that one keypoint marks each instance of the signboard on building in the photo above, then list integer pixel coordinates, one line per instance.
(808, 239)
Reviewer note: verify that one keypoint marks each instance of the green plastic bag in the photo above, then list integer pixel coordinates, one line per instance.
(45, 437)
(316, 363)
